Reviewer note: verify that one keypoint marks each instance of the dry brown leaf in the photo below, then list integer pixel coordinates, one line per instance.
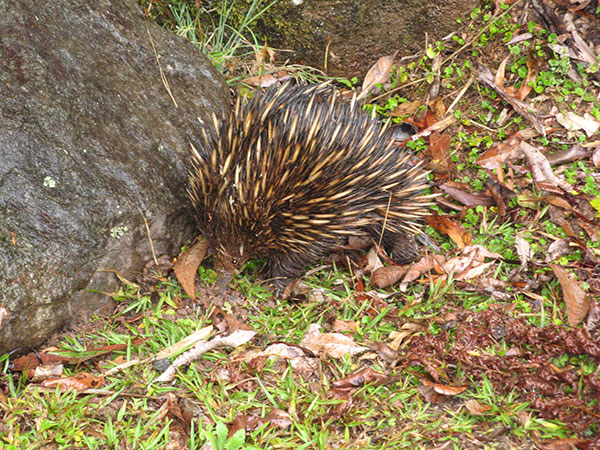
(373, 261)
(360, 378)
(444, 388)
(378, 73)
(596, 157)
(567, 444)
(80, 382)
(406, 109)
(45, 372)
(557, 249)
(187, 265)
(439, 149)
(345, 325)
(335, 345)
(499, 78)
(293, 355)
(399, 338)
(265, 80)
(577, 302)
(573, 122)
(431, 395)
(541, 169)
(387, 276)
(425, 264)
(476, 408)
(469, 199)
(279, 418)
(446, 225)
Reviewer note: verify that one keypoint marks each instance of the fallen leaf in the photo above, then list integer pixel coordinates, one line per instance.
(576, 301)
(541, 169)
(469, 199)
(573, 122)
(387, 276)
(360, 378)
(373, 261)
(425, 264)
(378, 73)
(345, 325)
(444, 388)
(332, 344)
(80, 382)
(557, 249)
(523, 250)
(265, 80)
(476, 408)
(446, 225)
(406, 109)
(187, 265)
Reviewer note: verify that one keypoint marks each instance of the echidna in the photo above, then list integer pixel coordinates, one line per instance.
(294, 172)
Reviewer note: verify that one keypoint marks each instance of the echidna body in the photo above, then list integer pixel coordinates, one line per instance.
(294, 172)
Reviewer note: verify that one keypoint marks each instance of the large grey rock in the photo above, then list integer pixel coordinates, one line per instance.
(91, 143)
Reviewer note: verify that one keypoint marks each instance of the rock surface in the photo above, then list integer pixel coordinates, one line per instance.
(356, 33)
(91, 143)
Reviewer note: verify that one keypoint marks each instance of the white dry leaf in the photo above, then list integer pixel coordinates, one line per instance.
(335, 345)
(297, 358)
(474, 272)
(573, 122)
(523, 250)
(480, 252)
(373, 261)
(557, 249)
(595, 159)
(541, 169)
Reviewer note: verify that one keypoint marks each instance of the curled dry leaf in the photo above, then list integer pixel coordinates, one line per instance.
(360, 378)
(541, 169)
(577, 302)
(476, 408)
(406, 109)
(187, 265)
(596, 157)
(265, 80)
(332, 344)
(293, 355)
(470, 264)
(401, 338)
(279, 418)
(567, 444)
(45, 372)
(444, 388)
(387, 276)
(425, 264)
(373, 261)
